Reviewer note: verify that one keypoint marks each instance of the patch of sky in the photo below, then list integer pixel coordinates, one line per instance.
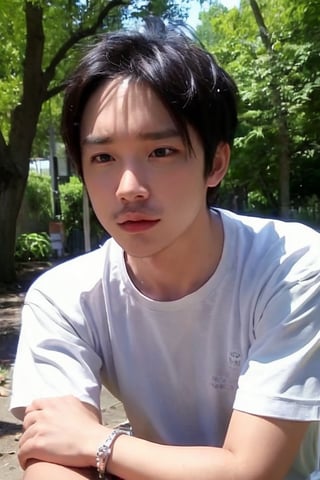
(196, 8)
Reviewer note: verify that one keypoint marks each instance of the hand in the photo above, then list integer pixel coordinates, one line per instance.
(61, 430)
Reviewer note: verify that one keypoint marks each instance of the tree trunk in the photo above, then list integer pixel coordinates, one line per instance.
(284, 174)
(15, 153)
(283, 134)
(10, 201)
(14, 157)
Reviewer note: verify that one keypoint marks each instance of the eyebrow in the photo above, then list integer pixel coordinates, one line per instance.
(156, 135)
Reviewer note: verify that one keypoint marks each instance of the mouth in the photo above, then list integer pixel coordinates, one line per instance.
(136, 226)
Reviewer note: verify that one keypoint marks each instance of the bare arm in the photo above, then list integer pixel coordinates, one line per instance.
(51, 471)
(255, 448)
(67, 432)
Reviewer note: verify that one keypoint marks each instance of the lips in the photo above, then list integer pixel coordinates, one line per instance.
(134, 217)
(136, 226)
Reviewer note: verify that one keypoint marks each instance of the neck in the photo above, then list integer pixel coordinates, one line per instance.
(183, 268)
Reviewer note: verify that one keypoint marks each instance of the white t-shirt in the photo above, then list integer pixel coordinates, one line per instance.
(248, 339)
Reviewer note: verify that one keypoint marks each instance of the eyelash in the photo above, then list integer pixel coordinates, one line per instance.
(163, 152)
(162, 149)
(97, 158)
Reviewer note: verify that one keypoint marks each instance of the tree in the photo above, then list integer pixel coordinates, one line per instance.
(280, 112)
(271, 49)
(37, 48)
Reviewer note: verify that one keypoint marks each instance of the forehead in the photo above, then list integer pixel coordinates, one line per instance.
(124, 107)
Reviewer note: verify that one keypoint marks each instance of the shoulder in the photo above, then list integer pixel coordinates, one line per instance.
(271, 259)
(73, 278)
(277, 238)
(81, 270)
(266, 225)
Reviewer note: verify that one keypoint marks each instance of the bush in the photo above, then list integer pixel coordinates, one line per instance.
(38, 196)
(71, 204)
(33, 247)
(71, 197)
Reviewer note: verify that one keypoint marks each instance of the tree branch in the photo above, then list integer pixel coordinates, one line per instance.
(264, 33)
(3, 146)
(80, 34)
(6, 166)
(54, 91)
(283, 134)
(33, 87)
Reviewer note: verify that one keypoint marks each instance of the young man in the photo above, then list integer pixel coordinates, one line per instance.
(204, 323)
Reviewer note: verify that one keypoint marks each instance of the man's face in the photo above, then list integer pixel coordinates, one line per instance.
(147, 189)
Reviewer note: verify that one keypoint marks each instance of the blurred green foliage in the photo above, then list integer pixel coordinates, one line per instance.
(71, 204)
(38, 197)
(33, 247)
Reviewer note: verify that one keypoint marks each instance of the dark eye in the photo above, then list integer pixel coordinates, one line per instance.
(162, 152)
(102, 158)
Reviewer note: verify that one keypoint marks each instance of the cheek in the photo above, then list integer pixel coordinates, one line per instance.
(97, 182)
(99, 194)
(189, 183)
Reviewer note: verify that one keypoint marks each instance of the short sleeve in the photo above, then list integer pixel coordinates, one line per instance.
(56, 354)
(281, 377)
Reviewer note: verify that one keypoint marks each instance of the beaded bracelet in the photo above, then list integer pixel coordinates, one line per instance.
(105, 450)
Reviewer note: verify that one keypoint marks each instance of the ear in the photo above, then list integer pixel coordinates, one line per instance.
(220, 165)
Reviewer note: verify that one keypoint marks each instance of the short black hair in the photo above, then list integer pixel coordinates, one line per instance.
(187, 79)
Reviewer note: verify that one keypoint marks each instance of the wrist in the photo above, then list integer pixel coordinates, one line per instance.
(105, 450)
(93, 438)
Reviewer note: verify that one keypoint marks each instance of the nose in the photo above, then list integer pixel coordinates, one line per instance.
(131, 187)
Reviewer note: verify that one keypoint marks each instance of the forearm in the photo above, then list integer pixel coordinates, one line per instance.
(52, 471)
(135, 459)
(66, 432)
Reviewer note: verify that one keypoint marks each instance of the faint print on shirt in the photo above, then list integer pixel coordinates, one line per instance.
(222, 382)
(234, 359)
(228, 382)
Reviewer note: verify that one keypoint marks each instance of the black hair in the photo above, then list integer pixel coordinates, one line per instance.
(187, 79)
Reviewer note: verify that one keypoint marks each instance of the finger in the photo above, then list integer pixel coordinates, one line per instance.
(28, 434)
(31, 418)
(24, 450)
(40, 404)
(31, 446)
(35, 405)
